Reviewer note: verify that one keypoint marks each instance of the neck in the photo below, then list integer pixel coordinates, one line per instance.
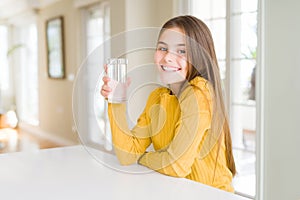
(177, 87)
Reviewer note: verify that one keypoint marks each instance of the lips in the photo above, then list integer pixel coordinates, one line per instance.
(170, 68)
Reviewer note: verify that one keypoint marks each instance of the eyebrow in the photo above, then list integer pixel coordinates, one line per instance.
(160, 42)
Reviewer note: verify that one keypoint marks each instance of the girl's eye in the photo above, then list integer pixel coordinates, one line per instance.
(181, 51)
(162, 49)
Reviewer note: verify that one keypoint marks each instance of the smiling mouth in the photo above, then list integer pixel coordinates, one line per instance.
(169, 69)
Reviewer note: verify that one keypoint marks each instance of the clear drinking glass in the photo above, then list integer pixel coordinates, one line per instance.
(117, 72)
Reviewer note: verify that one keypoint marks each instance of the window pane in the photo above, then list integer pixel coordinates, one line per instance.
(4, 73)
(239, 6)
(218, 31)
(222, 66)
(29, 103)
(97, 30)
(33, 101)
(94, 32)
(241, 79)
(208, 9)
(245, 35)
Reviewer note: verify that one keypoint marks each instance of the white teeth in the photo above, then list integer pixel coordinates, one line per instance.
(169, 69)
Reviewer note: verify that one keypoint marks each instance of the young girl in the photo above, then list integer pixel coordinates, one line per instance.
(186, 122)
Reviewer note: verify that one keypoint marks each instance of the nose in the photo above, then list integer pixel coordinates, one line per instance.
(169, 56)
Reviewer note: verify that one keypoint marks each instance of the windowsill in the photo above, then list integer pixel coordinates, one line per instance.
(249, 103)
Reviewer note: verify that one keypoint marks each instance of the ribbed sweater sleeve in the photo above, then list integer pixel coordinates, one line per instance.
(178, 157)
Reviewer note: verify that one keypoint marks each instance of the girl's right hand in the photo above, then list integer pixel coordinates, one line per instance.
(105, 89)
(112, 89)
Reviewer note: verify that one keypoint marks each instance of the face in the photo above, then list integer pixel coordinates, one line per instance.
(170, 56)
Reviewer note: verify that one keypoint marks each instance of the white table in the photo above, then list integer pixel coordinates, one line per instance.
(78, 172)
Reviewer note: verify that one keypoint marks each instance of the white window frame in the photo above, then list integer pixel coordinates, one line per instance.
(22, 87)
(90, 133)
(4, 68)
(27, 78)
(184, 7)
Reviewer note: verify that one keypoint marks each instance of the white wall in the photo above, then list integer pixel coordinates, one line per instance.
(281, 60)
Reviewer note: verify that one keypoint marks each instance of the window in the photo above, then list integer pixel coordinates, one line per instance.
(27, 79)
(24, 48)
(4, 72)
(234, 28)
(97, 31)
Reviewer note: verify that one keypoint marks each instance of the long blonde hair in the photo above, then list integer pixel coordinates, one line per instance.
(203, 62)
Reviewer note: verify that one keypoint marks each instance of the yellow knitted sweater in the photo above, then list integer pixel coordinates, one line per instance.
(176, 128)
